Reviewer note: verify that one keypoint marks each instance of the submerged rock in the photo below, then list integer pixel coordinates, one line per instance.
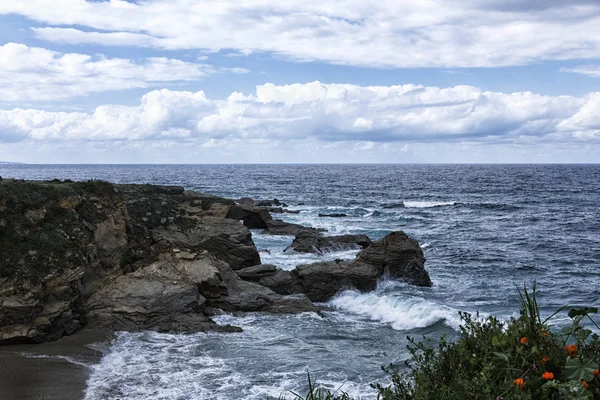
(334, 215)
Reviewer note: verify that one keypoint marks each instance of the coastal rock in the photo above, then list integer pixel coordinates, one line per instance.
(36, 312)
(225, 238)
(399, 256)
(395, 256)
(252, 217)
(321, 281)
(279, 227)
(94, 254)
(153, 295)
(283, 282)
(333, 215)
(256, 272)
(307, 241)
(249, 296)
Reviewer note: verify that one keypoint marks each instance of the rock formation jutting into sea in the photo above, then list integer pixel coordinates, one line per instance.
(143, 257)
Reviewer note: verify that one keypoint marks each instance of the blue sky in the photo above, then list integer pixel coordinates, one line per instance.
(194, 81)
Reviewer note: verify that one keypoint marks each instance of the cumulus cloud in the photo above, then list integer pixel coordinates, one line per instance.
(402, 33)
(37, 74)
(322, 113)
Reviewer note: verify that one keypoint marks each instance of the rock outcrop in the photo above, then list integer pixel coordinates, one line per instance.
(396, 256)
(310, 241)
(128, 257)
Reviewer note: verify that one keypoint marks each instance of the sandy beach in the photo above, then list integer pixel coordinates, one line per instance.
(49, 371)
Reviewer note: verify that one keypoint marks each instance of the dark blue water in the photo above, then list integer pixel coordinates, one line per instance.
(485, 229)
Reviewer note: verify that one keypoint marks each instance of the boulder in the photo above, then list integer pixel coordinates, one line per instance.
(399, 256)
(249, 297)
(256, 272)
(283, 282)
(321, 281)
(307, 241)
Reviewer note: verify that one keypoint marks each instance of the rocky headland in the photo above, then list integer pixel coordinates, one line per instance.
(114, 257)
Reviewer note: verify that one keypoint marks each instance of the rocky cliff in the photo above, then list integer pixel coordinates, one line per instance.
(132, 257)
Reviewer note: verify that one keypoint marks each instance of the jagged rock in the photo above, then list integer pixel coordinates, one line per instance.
(35, 312)
(313, 242)
(333, 215)
(227, 239)
(151, 296)
(253, 218)
(256, 272)
(396, 256)
(279, 227)
(400, 257)
(321, 281)
(248, 296)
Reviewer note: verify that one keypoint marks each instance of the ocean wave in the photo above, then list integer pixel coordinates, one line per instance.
(427, 204)
(400, 312)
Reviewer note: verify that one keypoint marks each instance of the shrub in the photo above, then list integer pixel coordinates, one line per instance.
(518, 359)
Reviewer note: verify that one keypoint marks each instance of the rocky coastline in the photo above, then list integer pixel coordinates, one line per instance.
(113, 257)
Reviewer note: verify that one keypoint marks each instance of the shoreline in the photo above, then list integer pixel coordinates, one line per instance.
(50, 371)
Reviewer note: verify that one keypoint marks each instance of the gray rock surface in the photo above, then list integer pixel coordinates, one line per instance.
(308, 241)
(256, 272)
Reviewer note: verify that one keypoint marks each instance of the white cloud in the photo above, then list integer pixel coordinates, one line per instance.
(589, 70)
(401, 33)
(38, 74)
(323, 113)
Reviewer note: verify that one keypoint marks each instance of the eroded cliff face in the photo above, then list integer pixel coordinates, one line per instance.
(75, 254)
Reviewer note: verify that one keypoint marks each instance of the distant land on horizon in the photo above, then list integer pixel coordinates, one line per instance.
(9, 162)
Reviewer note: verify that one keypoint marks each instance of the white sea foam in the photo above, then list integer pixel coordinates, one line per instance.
(427, 204)
(400, 312)
(425, 245)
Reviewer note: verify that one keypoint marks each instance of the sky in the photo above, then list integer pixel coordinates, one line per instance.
(300, 81)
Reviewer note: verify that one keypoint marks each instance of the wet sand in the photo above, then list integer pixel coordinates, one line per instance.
(49, 371)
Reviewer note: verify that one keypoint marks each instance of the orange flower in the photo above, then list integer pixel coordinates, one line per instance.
(571, 350)
(597, 373)
(544, 360)
(524, 340)
(548, 376)
(585, 384)
(520, 382)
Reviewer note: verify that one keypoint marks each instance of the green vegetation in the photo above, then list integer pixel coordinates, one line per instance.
(34, 220)
(519, 359)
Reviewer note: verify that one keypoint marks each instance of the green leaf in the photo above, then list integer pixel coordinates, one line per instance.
(582, 311)
(582, 334)
(501, 355)
(578, 369)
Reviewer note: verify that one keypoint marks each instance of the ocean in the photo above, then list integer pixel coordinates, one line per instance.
(485, 230)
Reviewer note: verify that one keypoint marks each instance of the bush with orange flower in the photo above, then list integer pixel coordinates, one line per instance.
(522, 358)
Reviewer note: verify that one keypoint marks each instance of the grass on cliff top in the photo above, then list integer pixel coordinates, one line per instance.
(520, 359)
